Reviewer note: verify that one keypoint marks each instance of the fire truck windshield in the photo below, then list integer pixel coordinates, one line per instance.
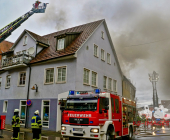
(83, 104)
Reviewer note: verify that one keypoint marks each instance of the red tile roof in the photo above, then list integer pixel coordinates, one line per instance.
(50, 52)
(38, 37)
(5, 46)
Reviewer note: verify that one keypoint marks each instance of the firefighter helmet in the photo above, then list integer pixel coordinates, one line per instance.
(16, 110)
(36, 112)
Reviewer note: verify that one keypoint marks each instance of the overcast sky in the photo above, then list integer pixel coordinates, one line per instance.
(140, 31)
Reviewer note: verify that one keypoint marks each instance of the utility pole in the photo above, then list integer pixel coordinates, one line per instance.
(153, 79)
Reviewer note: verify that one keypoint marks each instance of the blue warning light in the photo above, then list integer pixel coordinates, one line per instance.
(71, 92)
(97, 91)
(91, 121)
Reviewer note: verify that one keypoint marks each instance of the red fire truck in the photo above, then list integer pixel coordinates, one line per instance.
(97, 115)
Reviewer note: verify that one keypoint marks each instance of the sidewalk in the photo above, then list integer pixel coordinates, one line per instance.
(29, 130)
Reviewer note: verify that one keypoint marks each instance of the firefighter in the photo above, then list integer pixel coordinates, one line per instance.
(16, 124)
(36, 126)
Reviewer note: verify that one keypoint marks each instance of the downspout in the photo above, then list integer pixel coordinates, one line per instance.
(27, 108)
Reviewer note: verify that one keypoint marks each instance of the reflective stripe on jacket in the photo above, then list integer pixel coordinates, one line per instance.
(36, 122)
(15, 121)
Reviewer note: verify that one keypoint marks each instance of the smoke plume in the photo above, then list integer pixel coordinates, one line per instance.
(140, 32)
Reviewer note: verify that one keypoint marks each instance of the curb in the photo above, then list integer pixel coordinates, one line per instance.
(23, 132)
(8, 129)
(153, 135)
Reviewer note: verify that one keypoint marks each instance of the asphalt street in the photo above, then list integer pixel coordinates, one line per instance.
(28, 136)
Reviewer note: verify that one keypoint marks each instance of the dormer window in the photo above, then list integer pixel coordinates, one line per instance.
(25, 40)
(60, 45)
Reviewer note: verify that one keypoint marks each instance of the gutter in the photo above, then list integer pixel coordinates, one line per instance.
(52, 58)
(27, 107)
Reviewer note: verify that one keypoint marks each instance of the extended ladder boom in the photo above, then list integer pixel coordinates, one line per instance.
(38, 7)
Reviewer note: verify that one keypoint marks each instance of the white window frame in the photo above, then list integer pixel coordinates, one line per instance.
(0, 82)
(110, 88)
(63, 39)
(5, 111)
(20, 111)
(94, 53)
(96, 79)
(113, 85)
(102, 35)
(60, 82)
(88, 84)
(7, 81)
(103, 55)
(105, 83)
(45, 72)
(108, 60)
(19, 78)
(25, 40)
(42, 105)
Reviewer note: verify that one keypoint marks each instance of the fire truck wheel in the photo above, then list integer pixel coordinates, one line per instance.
(109, 136)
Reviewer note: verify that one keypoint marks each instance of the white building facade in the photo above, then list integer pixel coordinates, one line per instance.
(78, 58)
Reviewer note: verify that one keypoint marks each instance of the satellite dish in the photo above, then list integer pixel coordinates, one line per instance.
(31, 50)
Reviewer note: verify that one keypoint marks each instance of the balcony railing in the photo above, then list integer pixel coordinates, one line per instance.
(15, 60)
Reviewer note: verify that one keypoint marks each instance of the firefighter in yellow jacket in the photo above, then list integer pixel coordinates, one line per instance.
(36, 126)
(16, 124)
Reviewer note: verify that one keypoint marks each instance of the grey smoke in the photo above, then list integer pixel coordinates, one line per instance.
(130, 23)
(55, 15)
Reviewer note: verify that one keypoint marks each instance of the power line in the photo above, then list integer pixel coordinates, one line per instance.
(149, 42)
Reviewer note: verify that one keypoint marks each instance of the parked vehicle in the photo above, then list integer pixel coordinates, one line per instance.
(97, 115)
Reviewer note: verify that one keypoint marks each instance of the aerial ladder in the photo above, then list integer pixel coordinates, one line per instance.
(38, 7)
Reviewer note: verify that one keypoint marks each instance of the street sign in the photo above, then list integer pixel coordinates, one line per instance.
(29, 102)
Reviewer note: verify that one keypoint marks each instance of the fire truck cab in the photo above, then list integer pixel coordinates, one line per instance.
(97, 115)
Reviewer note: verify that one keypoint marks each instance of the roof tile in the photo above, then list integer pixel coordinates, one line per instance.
(5, 47)
(50, 52)
(38, 37)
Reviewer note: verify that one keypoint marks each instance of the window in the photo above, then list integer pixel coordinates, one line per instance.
(0, 82)
(114, 85)
(95, 50)
(5, 106)
(94, 79)
(112, 102)
(45, 113)
(86, 76)
(60, 45)
(104, 82)
(22, 77)
(103, 103)
(25, 40)
(102, 55)
(49, 75)
(102, 35)
(61, 74)
(108, 58)
(109, 84)
(8, 80)
(117, 105)
(22, 112)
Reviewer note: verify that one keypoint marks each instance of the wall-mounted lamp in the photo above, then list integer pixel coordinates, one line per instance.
(35, 87)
